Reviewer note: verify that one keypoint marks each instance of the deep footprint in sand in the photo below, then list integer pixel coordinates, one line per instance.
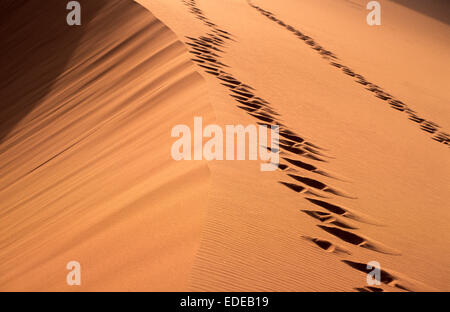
(327, 245)
(358, 240)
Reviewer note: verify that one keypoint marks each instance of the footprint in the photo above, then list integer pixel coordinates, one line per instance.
(262, 117)
(326, 217)
(319, 185)
(299, 151)
(358, 240)
(429, 127)
(416, 118)
(335, 64)
(283, 167)
(348, 71)
(345, 212)
(398, 105)
(443, 138)
(327, 245)
(309, 167)
(302, 165)
(299, 189)
(378, 91)
(386, 277)
(291, 136)
(247, 95)
(383, 95)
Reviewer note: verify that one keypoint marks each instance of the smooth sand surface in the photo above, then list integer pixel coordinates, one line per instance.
(86, 171)
(87, 175)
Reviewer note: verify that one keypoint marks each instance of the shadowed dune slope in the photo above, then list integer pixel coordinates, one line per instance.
(359, 181)
(37, 43)
(86, 172)
(438, 9)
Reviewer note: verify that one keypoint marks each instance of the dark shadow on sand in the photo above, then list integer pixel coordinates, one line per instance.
(437, 9)
(36, 45)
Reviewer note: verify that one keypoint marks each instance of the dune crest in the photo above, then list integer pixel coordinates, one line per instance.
(86, 171)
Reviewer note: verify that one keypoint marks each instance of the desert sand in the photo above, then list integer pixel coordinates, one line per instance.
(87, 175)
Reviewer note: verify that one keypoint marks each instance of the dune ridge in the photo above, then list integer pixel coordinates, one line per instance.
(240, 243)
(86, 173)
(206, 51)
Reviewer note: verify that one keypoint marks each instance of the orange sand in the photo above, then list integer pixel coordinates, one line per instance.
(86, 171)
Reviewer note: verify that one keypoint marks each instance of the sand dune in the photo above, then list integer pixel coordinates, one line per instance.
(87, 173)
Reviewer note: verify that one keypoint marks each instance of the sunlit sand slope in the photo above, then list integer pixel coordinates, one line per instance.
(363, 144)
(86, 172)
